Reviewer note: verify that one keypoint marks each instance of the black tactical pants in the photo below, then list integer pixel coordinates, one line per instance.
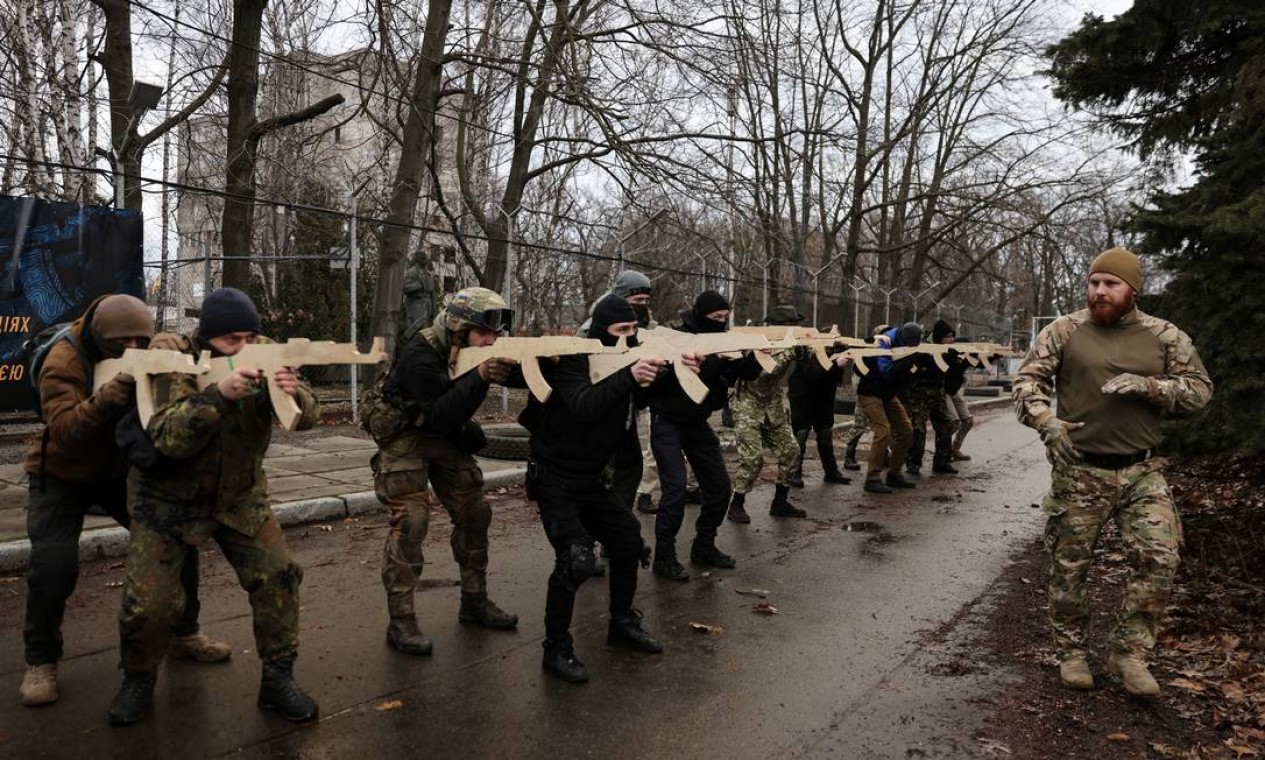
(574, 512)
(673, 444)
(54, 522)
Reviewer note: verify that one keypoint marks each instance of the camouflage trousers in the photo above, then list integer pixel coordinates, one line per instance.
(154, 597)
(757, 426)
(923, 402)
(1081, 500)
(400, 484)
(852, 436)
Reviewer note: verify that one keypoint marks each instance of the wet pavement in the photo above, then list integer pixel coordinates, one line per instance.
(870, 593)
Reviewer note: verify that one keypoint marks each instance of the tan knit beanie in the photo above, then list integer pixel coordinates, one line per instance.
(1122, 263)
(122, 316)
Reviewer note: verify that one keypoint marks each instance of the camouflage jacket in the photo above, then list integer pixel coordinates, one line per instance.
(762, 394)
(77, 443)
(1076, 357)
(219, 448)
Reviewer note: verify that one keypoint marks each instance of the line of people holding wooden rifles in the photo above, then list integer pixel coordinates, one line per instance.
(194, 471)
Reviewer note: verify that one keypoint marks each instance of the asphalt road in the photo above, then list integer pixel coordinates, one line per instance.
(870, 591)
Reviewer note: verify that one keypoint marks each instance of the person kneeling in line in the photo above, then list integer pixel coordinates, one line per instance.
(575, 435)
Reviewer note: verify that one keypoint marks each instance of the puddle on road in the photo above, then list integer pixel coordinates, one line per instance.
(873, 546)
(862, 526)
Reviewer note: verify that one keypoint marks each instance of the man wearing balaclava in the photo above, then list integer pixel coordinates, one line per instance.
(576, 437)
(212, 486)
(877, 392)
(679, 429)
(634, 479)
(1116, 371)
(73, 465)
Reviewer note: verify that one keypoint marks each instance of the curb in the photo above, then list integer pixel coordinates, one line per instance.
(113, 542)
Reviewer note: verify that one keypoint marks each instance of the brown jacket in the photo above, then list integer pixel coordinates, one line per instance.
(77, 442)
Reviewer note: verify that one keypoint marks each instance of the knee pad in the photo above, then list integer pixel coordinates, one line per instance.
(478, 515)
(578, 561)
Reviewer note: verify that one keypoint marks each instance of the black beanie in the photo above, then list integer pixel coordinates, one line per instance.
(227, 310)
(709, 301)
(910, 334)
(610, 310)
(942, 330)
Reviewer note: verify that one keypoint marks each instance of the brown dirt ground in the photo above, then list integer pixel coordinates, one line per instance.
(1210, 660)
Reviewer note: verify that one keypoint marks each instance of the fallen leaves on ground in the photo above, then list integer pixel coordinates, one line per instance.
(712, 630)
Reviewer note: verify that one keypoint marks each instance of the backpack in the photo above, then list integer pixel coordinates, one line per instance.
(39, 347)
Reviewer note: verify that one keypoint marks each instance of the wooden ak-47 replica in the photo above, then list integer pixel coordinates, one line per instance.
(527, 353)
(604, 361)
(144, 364)
(782, 337)
(856, 349)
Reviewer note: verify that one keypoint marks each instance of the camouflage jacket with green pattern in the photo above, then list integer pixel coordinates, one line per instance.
(218, 446)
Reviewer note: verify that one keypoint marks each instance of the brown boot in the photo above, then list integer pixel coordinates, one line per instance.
(39, 685)
(1132, 670)
(199, 647)
(1075, 673)
(958, 456)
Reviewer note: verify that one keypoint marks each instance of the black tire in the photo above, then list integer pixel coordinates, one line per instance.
(507, 441)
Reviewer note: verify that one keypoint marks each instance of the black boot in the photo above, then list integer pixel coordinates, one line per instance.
(797, 478)
(626, 631)
(781, 506)
(561, 661)
(830, 465)
(942, 467)
(874, 485)
(704, 552)
(666, 565)
(279, 692)
(477, 609)
(896, 480)
(737, 508)
(646, 505)
(403, 635)
(850, 457)
(134, 699)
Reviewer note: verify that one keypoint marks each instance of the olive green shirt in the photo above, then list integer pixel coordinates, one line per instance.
(1075, 357)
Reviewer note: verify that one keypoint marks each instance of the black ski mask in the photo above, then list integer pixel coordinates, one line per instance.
(612, 310)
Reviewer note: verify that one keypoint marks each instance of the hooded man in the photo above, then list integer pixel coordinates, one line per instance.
(1116, 371)
(679, 430)
(576, 436)
(959, 413)
(74, 465)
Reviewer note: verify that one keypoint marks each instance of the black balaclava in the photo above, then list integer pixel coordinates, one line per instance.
(611, 310)
(707, 302)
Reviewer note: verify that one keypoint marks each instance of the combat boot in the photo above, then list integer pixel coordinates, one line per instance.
(279, 692)
(944, 468)
(850, 458)
(646, 505)
(199, 647)
(704, 552)
(781, 506)
(958, 456)
(134, 699)
(560, 660)
(896, 480)
(737, 509)
(1074, 672)
(874, 485)
(477, 609)
(837, 477)
(1137, 679)
(403, 635)
(667, 566)
(39, 685)
(626, 631)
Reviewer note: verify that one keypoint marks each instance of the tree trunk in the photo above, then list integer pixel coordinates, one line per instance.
(416, 150)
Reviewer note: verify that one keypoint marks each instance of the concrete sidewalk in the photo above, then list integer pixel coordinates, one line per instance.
(324, 479)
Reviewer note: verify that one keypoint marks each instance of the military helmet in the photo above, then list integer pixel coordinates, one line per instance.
(784, 314)
(477, 307)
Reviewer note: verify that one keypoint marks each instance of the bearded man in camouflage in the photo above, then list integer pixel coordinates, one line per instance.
(1116, 370)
